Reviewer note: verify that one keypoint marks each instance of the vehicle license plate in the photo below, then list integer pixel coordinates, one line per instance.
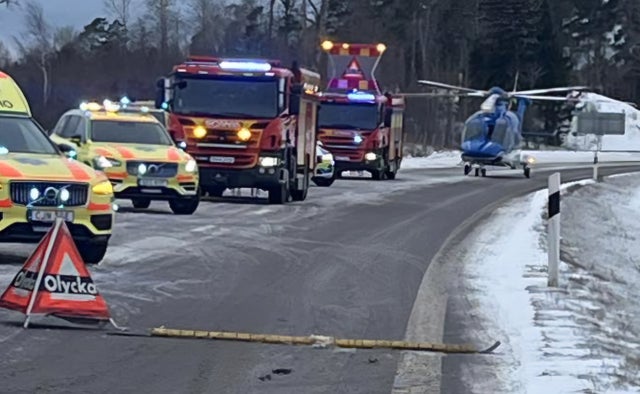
(153, 182)
(222, 159)
(50, 216)
(342, 158)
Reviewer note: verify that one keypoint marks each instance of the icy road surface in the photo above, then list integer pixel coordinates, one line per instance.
(348, 262)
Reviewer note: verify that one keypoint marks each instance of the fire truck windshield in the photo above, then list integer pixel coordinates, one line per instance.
(229, 97)
(128, 132)
(348, 116)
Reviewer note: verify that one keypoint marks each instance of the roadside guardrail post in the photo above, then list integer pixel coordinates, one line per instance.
(553, 229)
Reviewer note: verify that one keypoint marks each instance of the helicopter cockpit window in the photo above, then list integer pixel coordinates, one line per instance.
(472, 130)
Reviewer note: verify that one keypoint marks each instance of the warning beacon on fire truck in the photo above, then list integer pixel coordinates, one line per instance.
(249, 123)
(361, 126)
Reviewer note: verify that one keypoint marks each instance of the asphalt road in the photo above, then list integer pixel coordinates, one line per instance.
(348, 262)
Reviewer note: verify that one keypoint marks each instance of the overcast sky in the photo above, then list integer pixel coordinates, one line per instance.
(76, 13)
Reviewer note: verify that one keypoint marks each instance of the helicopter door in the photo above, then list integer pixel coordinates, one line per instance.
(501, 134)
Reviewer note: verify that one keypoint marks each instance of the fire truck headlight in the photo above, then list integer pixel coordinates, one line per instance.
(370, 156)
(191, 166)
(199, 132)
(269, 161)
(244, 134)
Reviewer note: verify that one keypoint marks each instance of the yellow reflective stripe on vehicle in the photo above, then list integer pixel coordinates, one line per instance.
(12, 99)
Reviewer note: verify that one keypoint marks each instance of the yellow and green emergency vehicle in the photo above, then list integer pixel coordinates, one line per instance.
(134, 150)
(38, 183)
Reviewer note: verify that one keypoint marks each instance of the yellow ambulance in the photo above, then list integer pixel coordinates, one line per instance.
(134, 150)
(38, 183)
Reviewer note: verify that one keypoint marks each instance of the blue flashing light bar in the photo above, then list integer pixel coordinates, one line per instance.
(249, 66)
(361, 96)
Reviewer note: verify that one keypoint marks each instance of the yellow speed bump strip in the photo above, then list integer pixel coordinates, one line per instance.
(320, 341)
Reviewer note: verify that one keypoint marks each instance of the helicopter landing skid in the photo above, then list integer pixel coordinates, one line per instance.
(479, 169)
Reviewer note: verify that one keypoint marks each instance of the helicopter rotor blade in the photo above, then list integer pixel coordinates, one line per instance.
(547, 98)
(450, 87)
(436, 95)
(549, 90)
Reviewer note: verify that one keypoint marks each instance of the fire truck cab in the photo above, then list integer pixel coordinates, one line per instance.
(248, 123)
(361, 126)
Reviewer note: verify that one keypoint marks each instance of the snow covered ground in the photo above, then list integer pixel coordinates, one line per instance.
(448, 159)
(585, 335)
(627, 142)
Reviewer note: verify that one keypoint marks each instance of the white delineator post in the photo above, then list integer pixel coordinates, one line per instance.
(553, 230)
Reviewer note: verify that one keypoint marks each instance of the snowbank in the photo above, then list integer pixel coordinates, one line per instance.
(630, 141)
(582, 337)
(442, 159)
(450, 159)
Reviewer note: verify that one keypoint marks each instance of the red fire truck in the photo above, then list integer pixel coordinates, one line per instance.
(249, 123)
(362, 127)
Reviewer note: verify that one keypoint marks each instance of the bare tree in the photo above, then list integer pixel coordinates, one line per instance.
(120, 9)
(209, 24)
(39, 33)
(161, 11)
(63, 36)
(5, 56)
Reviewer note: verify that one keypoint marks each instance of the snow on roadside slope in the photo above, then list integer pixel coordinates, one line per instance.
(581, 337)
(450, 159)
(631, 138)
(442, 159)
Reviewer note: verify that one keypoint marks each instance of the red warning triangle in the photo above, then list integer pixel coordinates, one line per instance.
(66, 288)
(353, 69)
(18, 293)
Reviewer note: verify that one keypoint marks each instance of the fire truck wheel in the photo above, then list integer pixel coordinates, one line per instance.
(323, 182)
(377, 175)
(278, 195)
(92, 252)
(185, 206)
(390, 174)
(141, 203)
(215, 191)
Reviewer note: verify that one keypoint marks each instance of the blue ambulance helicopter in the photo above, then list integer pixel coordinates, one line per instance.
(492, 135)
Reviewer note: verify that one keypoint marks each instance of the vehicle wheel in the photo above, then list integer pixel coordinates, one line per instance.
(301, 195)
(377, 175)
(92, 252)
(483, 172)
(323, 182)
(184, 206)
(477, 171)
(390, 174)
(278, 195)
(527, 172)
(467, 169)
(215, 191)
(141, 203)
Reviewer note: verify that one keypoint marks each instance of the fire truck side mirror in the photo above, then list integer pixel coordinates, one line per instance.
(159, 99)
(294, 99)
(387, 117)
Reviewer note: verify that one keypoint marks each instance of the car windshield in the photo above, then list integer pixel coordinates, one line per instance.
(24, 136)
(128, 132)
(348, 116)
(227, 97)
